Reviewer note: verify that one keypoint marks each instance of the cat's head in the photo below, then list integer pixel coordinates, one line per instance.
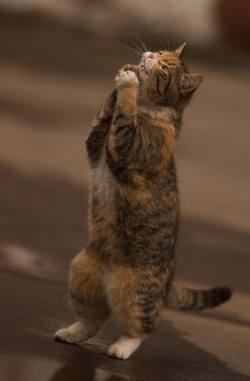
(164, 78)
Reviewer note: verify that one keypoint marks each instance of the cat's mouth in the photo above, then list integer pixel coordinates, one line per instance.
(140, 70)
(144, 68)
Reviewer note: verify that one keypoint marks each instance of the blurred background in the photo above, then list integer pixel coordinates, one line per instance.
(58, 63)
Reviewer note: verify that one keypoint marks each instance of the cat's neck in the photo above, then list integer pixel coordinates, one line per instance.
(147, 107)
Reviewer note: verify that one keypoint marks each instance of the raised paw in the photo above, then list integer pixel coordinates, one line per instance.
(126, 78)
(73, 334)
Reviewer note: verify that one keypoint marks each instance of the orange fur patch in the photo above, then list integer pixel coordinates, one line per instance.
(169, 58)
(87, 287)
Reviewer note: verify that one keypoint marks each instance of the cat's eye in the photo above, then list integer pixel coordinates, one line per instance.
(165, 68)
(160, 53)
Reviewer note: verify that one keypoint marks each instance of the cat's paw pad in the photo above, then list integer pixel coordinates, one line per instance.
(126, 77)
(73, 334)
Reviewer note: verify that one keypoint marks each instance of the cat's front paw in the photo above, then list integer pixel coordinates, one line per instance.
(73, 334)
(126, 78)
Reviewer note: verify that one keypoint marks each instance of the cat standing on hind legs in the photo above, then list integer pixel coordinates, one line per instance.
(128, 266)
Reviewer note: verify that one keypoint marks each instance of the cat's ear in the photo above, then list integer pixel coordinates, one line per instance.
(179, 51)
(189, 83)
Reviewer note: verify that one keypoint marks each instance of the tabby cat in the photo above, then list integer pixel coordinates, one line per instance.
(128, 266)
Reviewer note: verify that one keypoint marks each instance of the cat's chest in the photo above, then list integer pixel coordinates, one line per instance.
(104, 185)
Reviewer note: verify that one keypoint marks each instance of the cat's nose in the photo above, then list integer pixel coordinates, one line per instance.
(151, 55)
(148, 55)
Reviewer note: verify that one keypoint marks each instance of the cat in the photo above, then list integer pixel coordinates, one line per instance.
(128, 266)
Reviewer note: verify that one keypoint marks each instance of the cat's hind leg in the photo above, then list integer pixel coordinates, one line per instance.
(124, 347)
(87, 299)
(136, 299)
(74, 333)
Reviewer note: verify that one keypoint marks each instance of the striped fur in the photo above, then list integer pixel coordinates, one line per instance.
(183, 298)
(128, 266)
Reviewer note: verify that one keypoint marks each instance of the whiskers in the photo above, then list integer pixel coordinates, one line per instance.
(138, 45)
(168, 45)
(131, 49)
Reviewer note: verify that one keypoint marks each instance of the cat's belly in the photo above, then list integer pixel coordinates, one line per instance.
(102, 198)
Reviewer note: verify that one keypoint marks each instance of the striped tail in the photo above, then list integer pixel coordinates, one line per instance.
(180, 297)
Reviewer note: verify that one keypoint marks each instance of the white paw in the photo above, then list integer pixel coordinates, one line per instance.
(124, 347)
(73, 334)
(118, 351)
(126, 77)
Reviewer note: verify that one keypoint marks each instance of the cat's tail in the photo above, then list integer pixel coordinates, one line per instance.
(180, 297)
